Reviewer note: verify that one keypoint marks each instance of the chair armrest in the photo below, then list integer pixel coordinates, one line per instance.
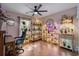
(18, 37)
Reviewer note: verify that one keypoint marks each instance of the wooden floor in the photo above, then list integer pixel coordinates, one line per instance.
(40, 48)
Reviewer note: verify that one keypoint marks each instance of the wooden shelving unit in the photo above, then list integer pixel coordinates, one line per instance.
(67, 33)
(51, 36)
(36, 29)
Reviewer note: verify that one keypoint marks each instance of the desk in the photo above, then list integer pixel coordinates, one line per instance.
(10, 46)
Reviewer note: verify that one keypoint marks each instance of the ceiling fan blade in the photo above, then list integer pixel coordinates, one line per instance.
(0, 5)
(42, 11)
(39, 13)
(0, 11)
(33, 14)
(39, 7)
(35, 7)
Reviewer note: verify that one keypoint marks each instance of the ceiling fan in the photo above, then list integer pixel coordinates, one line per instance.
(36, 10)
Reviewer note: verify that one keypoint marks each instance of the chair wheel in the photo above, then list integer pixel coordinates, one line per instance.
(20, 51)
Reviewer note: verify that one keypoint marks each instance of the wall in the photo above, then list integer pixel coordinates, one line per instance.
(13, 30)
(78, 24)
(57, 16)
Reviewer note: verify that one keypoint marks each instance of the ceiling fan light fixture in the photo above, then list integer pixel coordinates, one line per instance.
(35, 13)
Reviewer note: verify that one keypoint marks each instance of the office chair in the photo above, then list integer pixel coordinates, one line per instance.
(19, 42)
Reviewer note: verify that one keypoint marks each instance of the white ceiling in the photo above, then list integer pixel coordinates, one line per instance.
(25, 7)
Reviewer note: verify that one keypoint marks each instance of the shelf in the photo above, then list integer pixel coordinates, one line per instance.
(36, 30)
(68, 34)
(66, 48)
